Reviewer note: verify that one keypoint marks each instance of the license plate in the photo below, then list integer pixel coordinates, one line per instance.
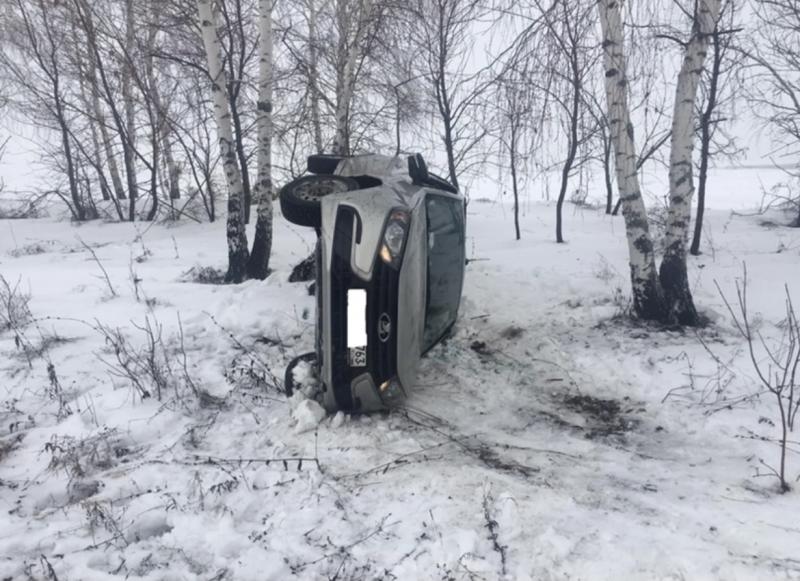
(357, 356)
(357, 327)
(356, 318)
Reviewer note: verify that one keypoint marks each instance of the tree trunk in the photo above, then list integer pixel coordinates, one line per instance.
(237, 238)
(513, 155)
(313, 75)
(705, 145)
(154, 115)
(77, 203)
(97, 162)
(54, 74)
(648, 298)
(258, 266)
(130, 109)
(574, 119)
(99, 114)
(674, 276)
(241, 155)
(443, 97)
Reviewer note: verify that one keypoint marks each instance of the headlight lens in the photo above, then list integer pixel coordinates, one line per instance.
(394, 237)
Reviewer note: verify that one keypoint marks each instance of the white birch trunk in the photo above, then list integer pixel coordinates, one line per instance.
(647, 294)
(258, 266)
(237, 239)
(674, 276)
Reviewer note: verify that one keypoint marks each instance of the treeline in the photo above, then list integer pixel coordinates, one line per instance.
(163, 108)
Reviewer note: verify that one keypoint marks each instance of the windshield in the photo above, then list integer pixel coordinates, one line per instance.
(445, 265)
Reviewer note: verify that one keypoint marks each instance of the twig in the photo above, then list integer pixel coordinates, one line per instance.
(50, 571)
(100, 264)
(494, 528)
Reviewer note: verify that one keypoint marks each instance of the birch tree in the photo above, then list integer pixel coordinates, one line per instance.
(664, 296)
(258, 266)
(648, 299)
(673, 273)
(237, 238)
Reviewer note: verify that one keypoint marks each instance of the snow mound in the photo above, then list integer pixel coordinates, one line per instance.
(306, 413)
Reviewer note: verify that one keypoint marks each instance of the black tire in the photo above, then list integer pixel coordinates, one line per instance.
(288, 377)
(300, 198)
(323, 164)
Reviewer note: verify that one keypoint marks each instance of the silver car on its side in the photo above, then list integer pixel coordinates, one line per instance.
(390, 271)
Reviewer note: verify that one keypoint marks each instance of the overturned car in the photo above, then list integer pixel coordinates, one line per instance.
(389, 272)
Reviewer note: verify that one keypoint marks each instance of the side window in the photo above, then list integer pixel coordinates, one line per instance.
(445, 265)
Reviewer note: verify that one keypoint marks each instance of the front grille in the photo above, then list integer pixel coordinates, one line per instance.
(382, 297)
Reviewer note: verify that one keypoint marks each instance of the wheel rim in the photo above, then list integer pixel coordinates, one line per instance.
(313, 190)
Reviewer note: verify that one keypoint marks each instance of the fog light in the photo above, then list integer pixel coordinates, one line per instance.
(392, 391)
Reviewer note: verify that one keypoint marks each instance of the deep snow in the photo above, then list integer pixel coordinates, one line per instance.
(547, 439)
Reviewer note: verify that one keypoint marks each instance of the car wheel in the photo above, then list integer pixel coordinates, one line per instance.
(289, 385)
(323, 164)
(301, 198)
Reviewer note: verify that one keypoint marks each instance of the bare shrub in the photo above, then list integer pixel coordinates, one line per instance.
(82, 458)
(153, 367)
(28, 206)
(776, 363)
(55, 392)
(31, 249)
(15, 313)
(204, 275)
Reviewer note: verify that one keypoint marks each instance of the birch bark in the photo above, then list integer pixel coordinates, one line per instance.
(237, 239)
(673, 274)
(258, 266)
(648, 301)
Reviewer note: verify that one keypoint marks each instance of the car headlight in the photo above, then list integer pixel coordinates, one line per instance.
(394, 237)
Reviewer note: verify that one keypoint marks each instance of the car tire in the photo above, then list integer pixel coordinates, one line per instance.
(323, 164)
(289, 386)
(301, 198)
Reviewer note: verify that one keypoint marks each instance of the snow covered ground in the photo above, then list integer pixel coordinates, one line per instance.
(547, 439)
